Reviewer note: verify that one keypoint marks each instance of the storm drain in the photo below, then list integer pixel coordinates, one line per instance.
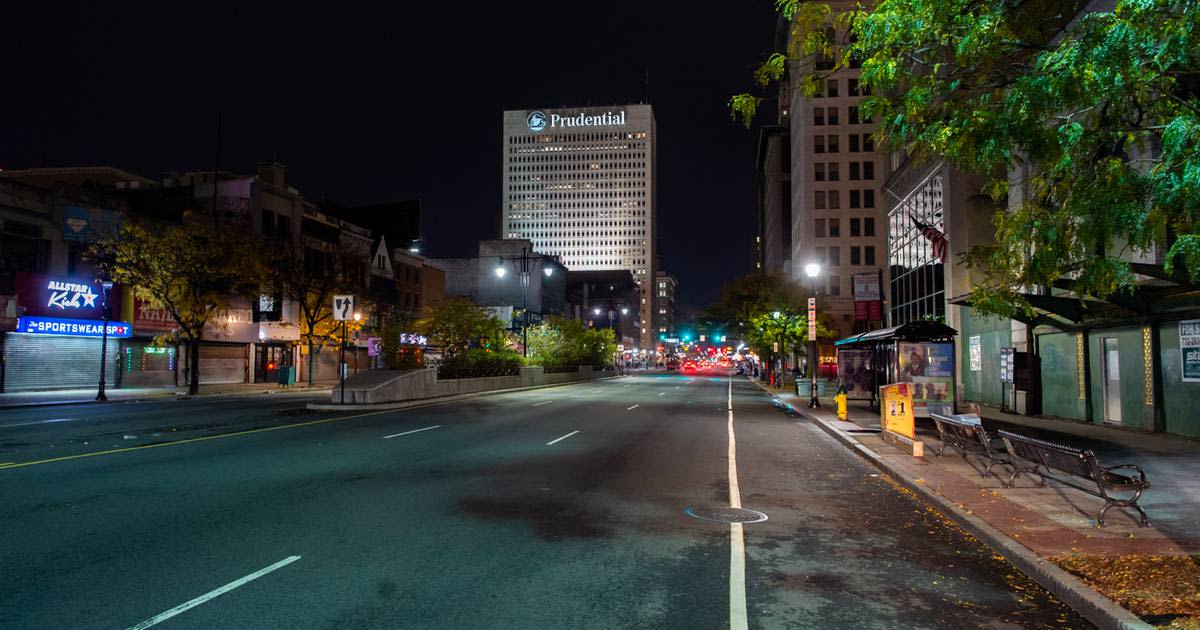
(725, 514)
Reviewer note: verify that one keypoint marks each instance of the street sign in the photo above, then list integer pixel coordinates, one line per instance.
(812, 319)
(343, 307)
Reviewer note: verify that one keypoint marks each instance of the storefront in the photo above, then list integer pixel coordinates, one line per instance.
(57, 341)
(144, 361)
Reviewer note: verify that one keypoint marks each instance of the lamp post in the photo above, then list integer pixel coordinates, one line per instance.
(104, 314)
(523, 264)
(342, 359)
(812, 270)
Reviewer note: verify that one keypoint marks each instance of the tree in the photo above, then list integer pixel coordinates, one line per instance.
(766, 309)
(310, 278)
(191, 270)
(1102, 113)
(467, 334)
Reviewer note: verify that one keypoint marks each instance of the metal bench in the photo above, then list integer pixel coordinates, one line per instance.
(1078, 464)
(966, 434)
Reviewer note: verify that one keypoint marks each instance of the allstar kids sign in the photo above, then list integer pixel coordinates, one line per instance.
(62, 296)
(539, 120)
(65, 295)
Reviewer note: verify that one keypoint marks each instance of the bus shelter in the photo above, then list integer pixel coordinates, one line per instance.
(920, 353)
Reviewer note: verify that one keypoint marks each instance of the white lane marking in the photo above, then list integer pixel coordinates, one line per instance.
(662, 393)
(388, 437)
(29, 424)
(544, 402)
(737, 543)
(163, 616)
(557, 440)
(632, 408)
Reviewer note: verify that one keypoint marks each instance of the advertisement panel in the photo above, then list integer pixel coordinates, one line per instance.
(867, 297)
(930, 368)
(855, 373)
(71, 327)
(150, 320)
(1189, 349)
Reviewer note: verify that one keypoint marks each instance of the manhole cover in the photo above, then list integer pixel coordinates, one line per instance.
(725, 514)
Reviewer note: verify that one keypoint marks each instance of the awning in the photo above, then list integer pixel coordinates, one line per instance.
(923, 330)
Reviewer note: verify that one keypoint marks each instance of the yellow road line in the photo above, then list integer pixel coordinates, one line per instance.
(205, 438)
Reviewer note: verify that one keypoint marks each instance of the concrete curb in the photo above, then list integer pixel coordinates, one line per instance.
(162, 397)
(1094, 607)
(420, 402)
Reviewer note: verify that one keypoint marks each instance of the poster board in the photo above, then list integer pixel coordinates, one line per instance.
(929, 367)
(855, 373)
(896, 412)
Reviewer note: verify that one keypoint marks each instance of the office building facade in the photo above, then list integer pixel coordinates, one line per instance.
(579, 183)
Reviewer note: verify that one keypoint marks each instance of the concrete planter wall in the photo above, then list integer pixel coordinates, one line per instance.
(385, 386)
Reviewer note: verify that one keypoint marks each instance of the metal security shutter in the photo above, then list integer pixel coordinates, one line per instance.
(53, 362)
(222, 364)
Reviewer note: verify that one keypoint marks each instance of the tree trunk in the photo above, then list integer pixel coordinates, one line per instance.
(194, 361)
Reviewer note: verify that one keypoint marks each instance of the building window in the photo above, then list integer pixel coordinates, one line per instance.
(819, 171)
(835, 285)
(820, 251)
(819, 228)
(835, 200)
(855, 202)
(835, 256)
(833, 144)
(869, 224)
(855, 223)
(854, 143)
(818, 116)
(819, 199)
(835, 228)
(869, 254)
(852, 87)
(818, 144)
(855, 255)
(868, 170)
(831, 114)
(831, 88)
(869, 201)
(868, 142)
(852, 114)
(833, 171)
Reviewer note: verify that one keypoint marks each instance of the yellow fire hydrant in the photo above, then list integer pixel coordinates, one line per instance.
(840, 397)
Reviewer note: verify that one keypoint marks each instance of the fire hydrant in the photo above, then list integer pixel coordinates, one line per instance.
(840, 397)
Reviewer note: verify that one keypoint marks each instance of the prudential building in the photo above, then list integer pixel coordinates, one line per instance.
(580, 184)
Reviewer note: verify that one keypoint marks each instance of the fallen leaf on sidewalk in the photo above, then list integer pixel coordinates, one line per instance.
(1146, 585)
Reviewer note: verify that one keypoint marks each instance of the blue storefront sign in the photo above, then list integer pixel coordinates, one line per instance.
(72, 327)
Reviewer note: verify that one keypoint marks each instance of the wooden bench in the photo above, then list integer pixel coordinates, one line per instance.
(966, 434)
(1043, 457)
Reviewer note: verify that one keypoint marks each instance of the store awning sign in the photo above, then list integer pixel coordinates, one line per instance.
(72, 327)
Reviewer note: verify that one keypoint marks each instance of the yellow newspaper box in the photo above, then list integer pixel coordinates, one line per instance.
(896, 411)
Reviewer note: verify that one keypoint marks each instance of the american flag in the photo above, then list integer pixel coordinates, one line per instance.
(935, 236)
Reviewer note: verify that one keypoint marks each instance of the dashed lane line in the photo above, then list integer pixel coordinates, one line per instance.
(632, 408)
(559, 439)
(396, 435)
(188, 605)
(738, 619)
(544, 402)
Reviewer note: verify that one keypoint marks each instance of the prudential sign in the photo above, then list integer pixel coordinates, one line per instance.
(538, 120)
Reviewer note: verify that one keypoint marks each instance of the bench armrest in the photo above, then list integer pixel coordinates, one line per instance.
(1141, 473)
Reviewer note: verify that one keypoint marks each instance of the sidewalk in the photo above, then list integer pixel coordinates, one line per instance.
(79, 396)
(1055, 522)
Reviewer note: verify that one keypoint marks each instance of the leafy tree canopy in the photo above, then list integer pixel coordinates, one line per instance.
(1098, 113)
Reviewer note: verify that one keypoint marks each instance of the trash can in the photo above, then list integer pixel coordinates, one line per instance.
(287, 375)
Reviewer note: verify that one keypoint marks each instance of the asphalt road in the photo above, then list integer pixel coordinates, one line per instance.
(553, 508)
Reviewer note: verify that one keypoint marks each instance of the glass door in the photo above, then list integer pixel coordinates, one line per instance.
(1112, 381)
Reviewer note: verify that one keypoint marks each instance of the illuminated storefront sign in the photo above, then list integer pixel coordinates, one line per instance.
(413, 340)
(71, 327)
(63, 296)
(538, 120)
(70, 295)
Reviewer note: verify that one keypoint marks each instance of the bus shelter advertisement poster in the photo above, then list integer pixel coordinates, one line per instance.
(930, 368)
(855, 374)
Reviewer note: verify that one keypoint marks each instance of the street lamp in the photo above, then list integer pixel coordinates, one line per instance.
(523, 263)
(812, 270)
(104, 315)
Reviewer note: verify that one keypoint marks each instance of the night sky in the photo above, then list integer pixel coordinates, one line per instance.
(367, 105)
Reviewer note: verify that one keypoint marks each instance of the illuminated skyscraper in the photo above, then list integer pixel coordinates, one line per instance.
(579, 183)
